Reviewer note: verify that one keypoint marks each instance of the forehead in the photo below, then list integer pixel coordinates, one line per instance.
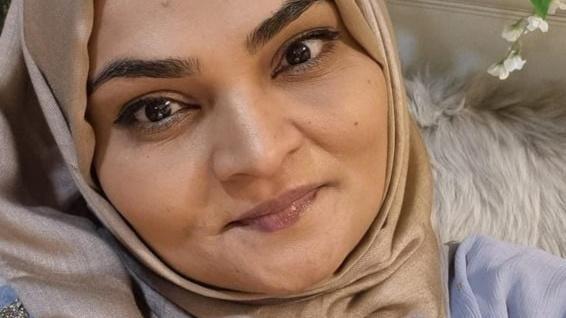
(166, 28)
(129, 27)
(229, 13)
(159, 21)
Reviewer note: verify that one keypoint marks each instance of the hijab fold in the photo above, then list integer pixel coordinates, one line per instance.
(62, 267)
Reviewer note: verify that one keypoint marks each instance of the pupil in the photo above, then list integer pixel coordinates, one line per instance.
(158, 111)
(298, 53)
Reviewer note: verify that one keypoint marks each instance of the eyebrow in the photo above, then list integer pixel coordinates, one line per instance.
(132, 68)
(176, 68)
(289, 12)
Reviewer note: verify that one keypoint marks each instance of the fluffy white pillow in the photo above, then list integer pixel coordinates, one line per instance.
(499, 159)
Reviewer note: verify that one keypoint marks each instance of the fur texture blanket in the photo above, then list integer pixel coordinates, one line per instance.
(498, 157)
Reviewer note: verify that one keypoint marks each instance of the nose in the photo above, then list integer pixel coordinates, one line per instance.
(254, 135)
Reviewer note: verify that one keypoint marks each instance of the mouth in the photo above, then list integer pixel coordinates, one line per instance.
(279, 213)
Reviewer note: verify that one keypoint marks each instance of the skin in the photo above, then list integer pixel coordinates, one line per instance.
(248, 137)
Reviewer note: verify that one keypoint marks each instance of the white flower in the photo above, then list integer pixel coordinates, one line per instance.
(537, 22)
(514, 63)
(513, 32)
(555, 5)
(499, 70)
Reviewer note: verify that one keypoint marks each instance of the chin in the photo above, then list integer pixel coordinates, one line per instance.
(290, 280)
(286, 286)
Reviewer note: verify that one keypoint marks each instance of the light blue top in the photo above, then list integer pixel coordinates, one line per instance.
(496, 279)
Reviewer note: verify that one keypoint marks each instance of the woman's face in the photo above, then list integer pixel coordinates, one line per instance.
(245, 142)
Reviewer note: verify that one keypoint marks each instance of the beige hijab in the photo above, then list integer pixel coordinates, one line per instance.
(393, 272)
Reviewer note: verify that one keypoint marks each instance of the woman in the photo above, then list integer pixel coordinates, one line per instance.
(244, 160)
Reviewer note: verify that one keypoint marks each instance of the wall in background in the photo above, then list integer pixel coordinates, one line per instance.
(463, 37)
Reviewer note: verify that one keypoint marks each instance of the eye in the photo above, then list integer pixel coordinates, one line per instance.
(306, 50)
(301, 52)
(151, 115)
(149, 110)
(156, 110)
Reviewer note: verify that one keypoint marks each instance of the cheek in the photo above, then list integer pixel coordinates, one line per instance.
(351, 131)
(153, 188)
(349, 116)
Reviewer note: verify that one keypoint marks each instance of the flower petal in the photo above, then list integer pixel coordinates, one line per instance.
(535, 22)
(498, 70)
(514, 63)
(555, 5)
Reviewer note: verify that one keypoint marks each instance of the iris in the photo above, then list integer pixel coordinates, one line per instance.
(157, 111)
(298, 53)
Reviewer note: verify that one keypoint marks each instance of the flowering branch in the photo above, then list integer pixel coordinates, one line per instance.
(513, 32)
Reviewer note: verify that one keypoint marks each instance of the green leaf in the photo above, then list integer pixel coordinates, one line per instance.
(541, 7)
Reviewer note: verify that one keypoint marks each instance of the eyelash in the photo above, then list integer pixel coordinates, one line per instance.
(127, 119)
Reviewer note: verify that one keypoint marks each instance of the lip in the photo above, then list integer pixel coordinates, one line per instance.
(279, 213)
